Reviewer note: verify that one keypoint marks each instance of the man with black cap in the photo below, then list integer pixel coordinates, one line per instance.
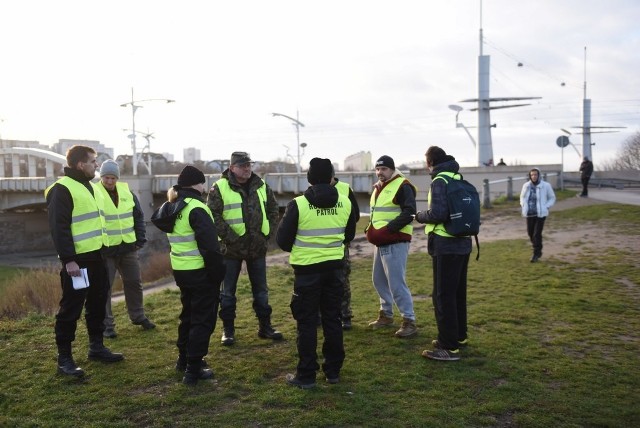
(450, 260)
(126, 231)
(246, 214)
(315, 229)
(74, 208)
(393, 205)
(198, 268)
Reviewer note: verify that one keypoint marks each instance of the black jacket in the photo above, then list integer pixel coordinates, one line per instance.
(203, 227)
(322, 196)
(438, 212)
(60, 209)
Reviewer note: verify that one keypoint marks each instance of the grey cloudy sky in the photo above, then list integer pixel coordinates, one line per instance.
(364, 75)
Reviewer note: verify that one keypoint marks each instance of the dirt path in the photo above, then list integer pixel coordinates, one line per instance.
(499, 225)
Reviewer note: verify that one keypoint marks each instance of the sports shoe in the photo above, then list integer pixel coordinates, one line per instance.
(228, 338)
(442, 354)
(382, 321)
(146, 324)
(461, 343)
(346, 323)
(408, 329)
(110, 333)
(294, 381)
(333, 380)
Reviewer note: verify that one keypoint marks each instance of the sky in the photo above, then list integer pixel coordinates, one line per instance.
(368, 75)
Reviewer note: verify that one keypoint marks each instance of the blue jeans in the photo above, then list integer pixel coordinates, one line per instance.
(257, 270)
(389, 279)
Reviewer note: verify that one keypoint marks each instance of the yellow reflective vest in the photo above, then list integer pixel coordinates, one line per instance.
(232, 207)
(343, 188)
(383, 210)
(320, 235)
(439, 229)
(87, 223)
(185, 254)
(118, 220)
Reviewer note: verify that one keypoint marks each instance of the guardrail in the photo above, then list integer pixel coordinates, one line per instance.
(486, 187)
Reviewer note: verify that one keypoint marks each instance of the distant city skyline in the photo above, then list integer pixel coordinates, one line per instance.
(362, 75)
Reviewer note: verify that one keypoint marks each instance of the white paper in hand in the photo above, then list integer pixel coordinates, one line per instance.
(82, 281)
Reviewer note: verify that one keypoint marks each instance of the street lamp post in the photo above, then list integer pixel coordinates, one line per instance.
(135, 107)
(297, 124)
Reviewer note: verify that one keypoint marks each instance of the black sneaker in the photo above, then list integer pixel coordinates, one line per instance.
(294, 381)
(442, 354)
(110, 333)
(333, 380)
(346, 323)
(146, 324)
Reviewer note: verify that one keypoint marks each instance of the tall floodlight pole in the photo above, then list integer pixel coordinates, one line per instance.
(134, 107)
(297, 124)
(484, 149)
(586, 116)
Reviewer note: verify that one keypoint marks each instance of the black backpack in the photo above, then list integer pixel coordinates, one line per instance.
(464, 207)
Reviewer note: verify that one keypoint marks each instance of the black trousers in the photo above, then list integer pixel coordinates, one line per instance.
(200, 298)
(313, 293)
(585, 185)
(534, 230)
(449, 298)
(93, 299)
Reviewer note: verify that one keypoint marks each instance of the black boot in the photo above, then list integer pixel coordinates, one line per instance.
(98, 352)
(66, 365)
(266, 331)
(196, 370)
(228, 332)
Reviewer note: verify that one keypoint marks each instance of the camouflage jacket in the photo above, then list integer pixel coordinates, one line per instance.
(253, 244)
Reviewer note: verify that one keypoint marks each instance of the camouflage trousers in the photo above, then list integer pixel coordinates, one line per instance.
(345, 308)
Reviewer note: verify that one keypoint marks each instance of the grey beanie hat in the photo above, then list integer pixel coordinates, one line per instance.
(110, 167)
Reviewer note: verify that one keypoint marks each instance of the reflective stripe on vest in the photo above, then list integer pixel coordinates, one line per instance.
(232, 207)
(119, 220)
(383, 210)
(87, 225)
(184, 247)
(439, 229)
(320, 235)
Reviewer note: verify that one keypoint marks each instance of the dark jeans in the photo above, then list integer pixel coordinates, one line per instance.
(312, 293)
(534, 230)
(199, 297)
(92, 298)
(450, 298)
(257, 270)
(585, 185)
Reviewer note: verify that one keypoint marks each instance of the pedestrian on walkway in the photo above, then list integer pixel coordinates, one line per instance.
(536, 198)
(74, 209)
(586, 169)
(126, 232)
(393, 206)
(246, 215)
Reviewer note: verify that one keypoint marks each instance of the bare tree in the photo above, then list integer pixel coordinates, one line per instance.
(629, 155)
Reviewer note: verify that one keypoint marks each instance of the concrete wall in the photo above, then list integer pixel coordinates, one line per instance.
(20, 232)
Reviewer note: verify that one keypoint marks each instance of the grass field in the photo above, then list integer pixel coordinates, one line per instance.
(555, 343)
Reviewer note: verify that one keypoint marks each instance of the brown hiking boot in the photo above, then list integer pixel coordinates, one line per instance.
(382, 321)
(408, 329)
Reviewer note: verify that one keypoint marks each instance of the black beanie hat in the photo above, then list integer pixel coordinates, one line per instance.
(189, 176)
(320, 171)
(387, 161)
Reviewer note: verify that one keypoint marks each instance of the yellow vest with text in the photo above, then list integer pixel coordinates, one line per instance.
(119, 220)
(320, 235)
(87, 223)
(383, 210)
(232, 207)
(439, 229)
(185, 254)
